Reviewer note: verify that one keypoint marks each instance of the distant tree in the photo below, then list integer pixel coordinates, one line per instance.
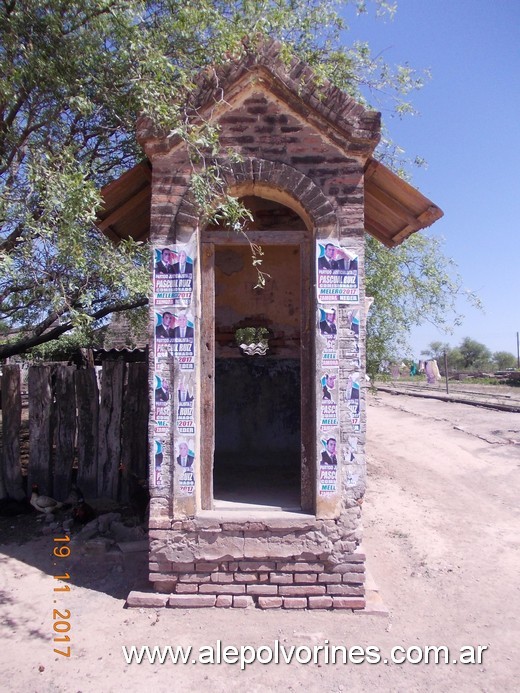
(475, 355)
(436, 350)
(503, 360)
(411, 284)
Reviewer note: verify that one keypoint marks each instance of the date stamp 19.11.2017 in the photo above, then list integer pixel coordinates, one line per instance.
(61, 617)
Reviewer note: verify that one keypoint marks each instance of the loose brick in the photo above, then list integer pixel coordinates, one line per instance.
(262, 589)
(224, 601)
(301, 590)
(243, 602)
(281, 578)
(295, 603)
(212, 588)
(348, 603)
(191, 601)
(270, 602)
(146, 599)
(320, 602)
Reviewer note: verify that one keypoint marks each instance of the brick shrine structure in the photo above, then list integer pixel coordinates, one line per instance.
(257, 471)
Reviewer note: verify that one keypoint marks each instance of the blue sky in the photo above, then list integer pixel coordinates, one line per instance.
(469, 133)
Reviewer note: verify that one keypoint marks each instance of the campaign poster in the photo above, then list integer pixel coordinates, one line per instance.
(329, 407)
(162, 403)
(328, 483)
(164, 321)
(185, 419)
(158, 462)
(173, 276)
(328, 331)
(185, 460)
(352, 396)
(183, 340)
(337, 274)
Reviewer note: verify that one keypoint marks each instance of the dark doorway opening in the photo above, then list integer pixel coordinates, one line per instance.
(257, 454)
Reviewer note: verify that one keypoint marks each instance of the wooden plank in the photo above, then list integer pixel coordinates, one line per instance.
(110, 419)
(87, 404)
(11, 472)
(40, 428)
(207, 359)
(65, 430)
(134, 455)
(307, 376)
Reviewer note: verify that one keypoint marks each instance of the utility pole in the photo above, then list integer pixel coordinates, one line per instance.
(446, 370)
(518, 349)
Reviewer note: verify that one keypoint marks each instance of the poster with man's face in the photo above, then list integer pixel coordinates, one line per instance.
(337, 274)
(173, 275)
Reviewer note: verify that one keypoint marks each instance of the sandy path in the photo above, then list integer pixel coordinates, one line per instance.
(441, 523)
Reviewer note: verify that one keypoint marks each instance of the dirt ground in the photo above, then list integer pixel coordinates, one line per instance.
(441, 520)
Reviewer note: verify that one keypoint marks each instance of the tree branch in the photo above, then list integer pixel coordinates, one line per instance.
(26, 343)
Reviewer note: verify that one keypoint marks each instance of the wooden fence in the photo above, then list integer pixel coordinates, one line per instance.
(95, 435)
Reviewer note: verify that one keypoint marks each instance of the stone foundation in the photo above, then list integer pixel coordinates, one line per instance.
(269, 564)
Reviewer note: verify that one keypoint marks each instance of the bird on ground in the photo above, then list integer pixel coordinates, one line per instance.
(43, 504)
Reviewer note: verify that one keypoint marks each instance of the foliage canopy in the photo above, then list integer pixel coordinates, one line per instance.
(76, 74)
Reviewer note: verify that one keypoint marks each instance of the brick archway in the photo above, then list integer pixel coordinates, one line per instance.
(274, 181)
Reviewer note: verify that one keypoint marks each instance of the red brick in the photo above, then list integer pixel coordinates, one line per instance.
(224, 601)
(262, 589)
(212, 588)
(186, 588)
(295, 603)
(243, 602)
(320, 602)
(299, 567)
(206, 567)
(281, 578)
(301, 590)
(356, 578)
(222, 577)
(305, 578)
(329, 578)
(245, 577)
(348, 602)
(270, 602)
(191, 601)
(346, 590)
(183, 567)
(255, 566)
(194, 577)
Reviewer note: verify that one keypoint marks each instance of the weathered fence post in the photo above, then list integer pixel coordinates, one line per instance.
(40, 428)
(87, 404)
(110, 417)
(134, 454)
(65, 430)
(11, 473)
